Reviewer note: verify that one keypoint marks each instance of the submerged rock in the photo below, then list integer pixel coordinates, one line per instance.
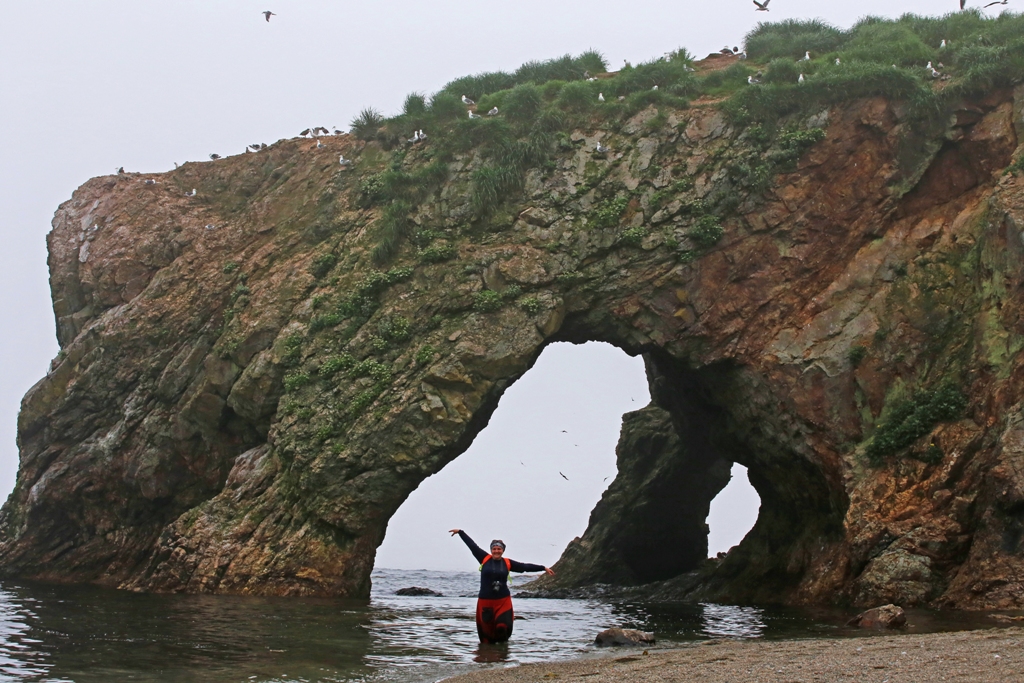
(416, 590)
(884, 617)
(623, 637)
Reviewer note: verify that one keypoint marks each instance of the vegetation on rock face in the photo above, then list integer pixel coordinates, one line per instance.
(909, 420)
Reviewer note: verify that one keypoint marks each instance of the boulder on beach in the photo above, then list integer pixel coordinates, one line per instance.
(884, 617)
(416, 590)
(623, 636)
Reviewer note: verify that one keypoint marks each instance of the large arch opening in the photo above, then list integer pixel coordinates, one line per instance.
(534, 473)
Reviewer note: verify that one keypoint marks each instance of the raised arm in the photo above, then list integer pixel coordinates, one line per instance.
(526, 567)
(477, 551)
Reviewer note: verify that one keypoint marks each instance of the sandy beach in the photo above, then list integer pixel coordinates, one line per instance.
(989, 656)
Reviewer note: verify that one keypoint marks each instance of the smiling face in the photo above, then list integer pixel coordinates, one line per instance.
(497, 551)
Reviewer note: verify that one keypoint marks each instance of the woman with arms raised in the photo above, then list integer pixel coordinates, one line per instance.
(494, 615)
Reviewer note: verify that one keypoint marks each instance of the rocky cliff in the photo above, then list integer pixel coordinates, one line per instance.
(249, 384)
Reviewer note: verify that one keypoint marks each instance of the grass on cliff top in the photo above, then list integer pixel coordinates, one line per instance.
(541, 101)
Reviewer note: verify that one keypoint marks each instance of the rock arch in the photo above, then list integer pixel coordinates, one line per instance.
(205, 431)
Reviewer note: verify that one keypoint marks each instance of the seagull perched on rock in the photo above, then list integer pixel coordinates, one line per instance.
(601, 149)
(120, 170)
(343, 161)
(423, 136)
(467, 101)
(473, 115)
(338, 131)
(268, 14)
(320, 145)
(600, 97)
(214, 157)
(415, 137)
(493, 111)
(211, 226)
(304, 133)
(762, 6)
(149, 181)
(192, 193)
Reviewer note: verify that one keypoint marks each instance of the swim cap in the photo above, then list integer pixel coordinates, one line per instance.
(497, 542)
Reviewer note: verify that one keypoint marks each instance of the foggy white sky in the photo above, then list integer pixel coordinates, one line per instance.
(89, 86)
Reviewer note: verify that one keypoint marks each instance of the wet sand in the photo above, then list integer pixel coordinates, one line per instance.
(989, 656)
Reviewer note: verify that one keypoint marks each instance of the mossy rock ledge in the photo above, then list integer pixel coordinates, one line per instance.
(248, 388)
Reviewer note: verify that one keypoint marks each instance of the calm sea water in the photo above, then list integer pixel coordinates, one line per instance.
(85, 634)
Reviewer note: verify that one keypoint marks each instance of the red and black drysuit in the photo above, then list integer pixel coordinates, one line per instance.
(494, 615)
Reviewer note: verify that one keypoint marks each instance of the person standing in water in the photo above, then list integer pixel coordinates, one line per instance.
(494, 616)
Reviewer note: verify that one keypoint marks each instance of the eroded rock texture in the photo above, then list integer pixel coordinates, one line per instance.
(242, 400)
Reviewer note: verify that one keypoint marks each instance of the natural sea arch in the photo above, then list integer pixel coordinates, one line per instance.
(535, 472)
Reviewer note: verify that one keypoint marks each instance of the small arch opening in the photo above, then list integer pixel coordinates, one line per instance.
(733, 512)
(534, 473)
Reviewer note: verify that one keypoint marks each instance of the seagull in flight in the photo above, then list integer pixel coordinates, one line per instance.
(762, 6)
(467, 101)
(269, 14)
(998, 2)
(564, 477)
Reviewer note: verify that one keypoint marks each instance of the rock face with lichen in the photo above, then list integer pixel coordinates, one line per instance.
(245, 395)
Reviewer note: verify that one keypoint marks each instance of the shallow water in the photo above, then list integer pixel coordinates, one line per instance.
(85, 634)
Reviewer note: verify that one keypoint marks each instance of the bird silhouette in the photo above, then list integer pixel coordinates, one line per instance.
(214, 157)
(761, 6)
(268, 14)
(564, 477)
(564, 432)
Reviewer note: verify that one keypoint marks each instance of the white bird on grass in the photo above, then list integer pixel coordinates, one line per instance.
(423, 136)
(837, 61)
(467, 101)
(753, 81)
(943, 44)
(473, 115)
(807, 56)
(801, 79)
(600, 97)
(493, 111)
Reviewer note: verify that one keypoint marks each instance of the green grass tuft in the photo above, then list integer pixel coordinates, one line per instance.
(367, 123)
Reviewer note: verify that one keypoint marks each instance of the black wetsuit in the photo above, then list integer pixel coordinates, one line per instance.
(494, 615)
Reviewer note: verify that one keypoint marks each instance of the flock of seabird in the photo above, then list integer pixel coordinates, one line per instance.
(419, 135)
(932, 70)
